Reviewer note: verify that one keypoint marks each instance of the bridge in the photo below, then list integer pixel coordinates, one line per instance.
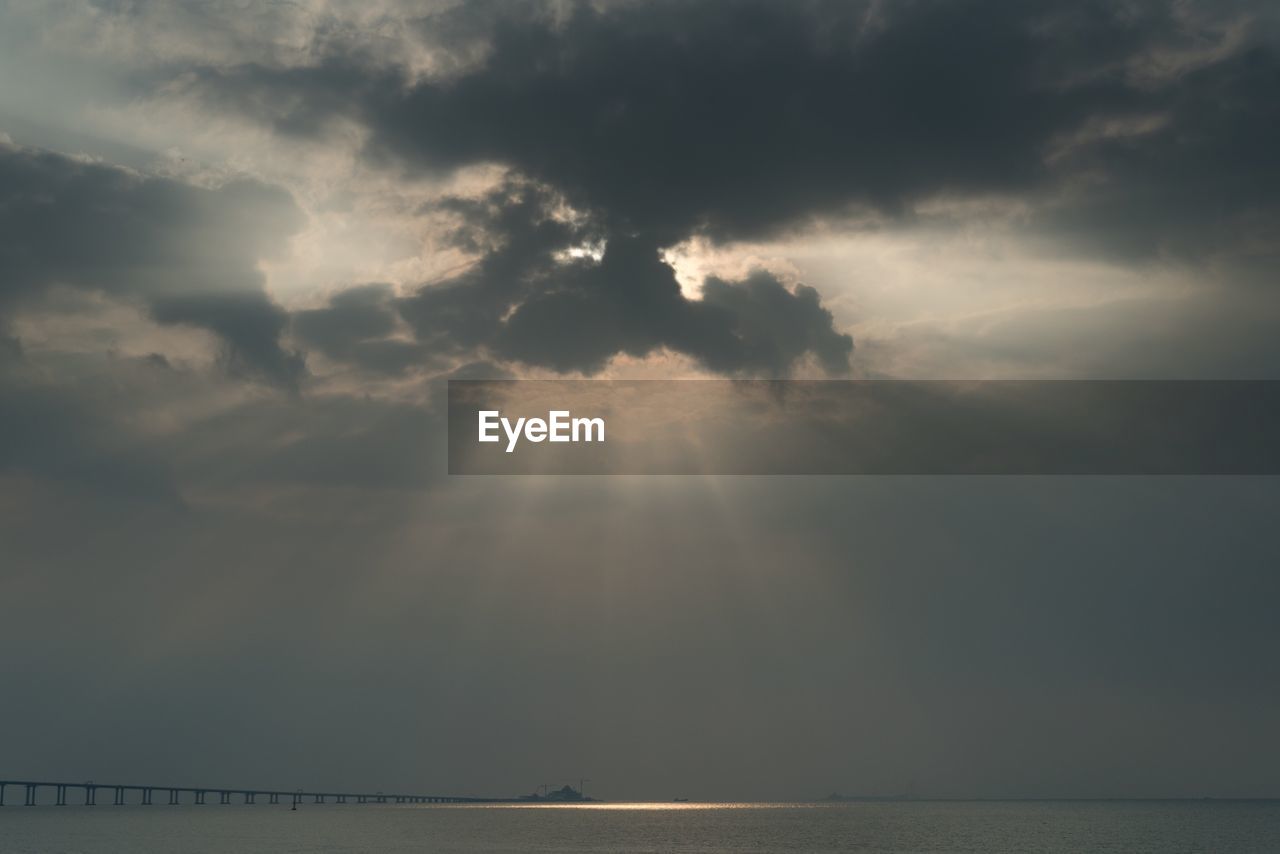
(145, 795)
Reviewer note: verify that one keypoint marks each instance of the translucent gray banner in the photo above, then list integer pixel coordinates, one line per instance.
(864, 427)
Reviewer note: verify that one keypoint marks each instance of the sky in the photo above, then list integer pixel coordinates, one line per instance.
(244, 245)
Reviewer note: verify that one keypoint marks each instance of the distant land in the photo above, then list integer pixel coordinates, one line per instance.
(563, 795)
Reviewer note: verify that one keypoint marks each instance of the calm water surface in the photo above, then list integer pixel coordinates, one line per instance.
(1221, 827)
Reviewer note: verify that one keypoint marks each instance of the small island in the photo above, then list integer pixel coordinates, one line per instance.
(565, 794)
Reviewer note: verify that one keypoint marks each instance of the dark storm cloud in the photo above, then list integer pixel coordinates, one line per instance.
(358, 327)
(737, 118)
(631, 303)
(661, 120)
(249, 325)
(1205, 181)
(517, 239)
(526, 301)
(772, 326)
(187, 253)
(729, 117)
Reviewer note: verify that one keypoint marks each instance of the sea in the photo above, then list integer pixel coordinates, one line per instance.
(909, 827)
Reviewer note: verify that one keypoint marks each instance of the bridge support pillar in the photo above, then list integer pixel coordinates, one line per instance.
(173, 797)
(273, 798)
(119, 798)
(146, 797)
(31, 795)
(1, 794)
(297, 799)
(200, 796)
(360, 799)
(224, 797)
(90, 796)
(342, 799)
(62, 795)
(248, 797)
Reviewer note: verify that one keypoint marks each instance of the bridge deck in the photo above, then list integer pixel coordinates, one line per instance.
(90, 789)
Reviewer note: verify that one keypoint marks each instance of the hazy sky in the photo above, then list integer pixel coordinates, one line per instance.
(242, 245)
